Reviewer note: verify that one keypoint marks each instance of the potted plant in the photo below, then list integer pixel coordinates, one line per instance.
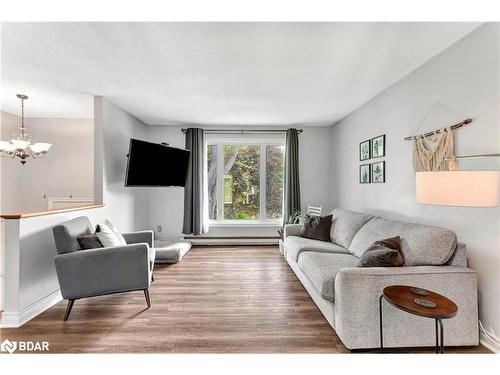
(295, 218)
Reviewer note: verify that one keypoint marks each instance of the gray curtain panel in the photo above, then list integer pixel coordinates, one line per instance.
(292, 185)
(193, 192)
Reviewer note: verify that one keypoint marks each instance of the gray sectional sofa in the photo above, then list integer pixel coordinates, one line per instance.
(348, 295)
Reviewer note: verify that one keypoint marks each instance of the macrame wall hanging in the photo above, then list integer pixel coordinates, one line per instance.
(432, 150)
(431, 154)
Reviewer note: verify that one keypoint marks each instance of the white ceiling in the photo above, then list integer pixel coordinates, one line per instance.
(217, 73)
(45, 101)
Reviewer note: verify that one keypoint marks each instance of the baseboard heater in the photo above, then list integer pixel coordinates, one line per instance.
(232, 240)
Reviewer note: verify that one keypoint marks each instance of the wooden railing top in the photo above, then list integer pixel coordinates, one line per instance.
(24, 215)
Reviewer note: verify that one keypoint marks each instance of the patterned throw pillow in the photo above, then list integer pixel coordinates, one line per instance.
(316, 227)
(383, 253)
(90, 241)
(109, 235)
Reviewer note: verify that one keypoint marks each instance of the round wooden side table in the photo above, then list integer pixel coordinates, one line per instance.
(420, 302)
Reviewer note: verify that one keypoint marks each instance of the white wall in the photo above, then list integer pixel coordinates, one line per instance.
(66, 170)
(166, 205)
(113, 129)
(30, 281)
(2, 239)
(31, 284)
(464, 78)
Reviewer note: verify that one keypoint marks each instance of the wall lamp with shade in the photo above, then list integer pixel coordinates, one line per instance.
(459, 188)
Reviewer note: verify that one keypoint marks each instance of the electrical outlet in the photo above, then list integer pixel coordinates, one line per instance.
(159, 228)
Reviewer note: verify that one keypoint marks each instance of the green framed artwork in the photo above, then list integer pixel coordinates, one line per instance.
(378, 172)
(378, 146)
(364, 150)
(364, 174)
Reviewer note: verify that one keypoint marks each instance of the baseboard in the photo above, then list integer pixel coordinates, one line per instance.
(234, 241)
(15, 320)
(489, 343)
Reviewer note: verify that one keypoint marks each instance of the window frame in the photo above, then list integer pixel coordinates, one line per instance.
(253, 140)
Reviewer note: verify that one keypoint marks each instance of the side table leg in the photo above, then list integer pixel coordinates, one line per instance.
(441, 329)
(380, 320)
(437, 337)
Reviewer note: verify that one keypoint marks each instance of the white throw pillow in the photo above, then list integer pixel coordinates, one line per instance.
(109, 235)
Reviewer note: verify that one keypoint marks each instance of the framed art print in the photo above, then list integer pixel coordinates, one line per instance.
(378, 146)
(364, 174)
(364, 150)
(378, 172)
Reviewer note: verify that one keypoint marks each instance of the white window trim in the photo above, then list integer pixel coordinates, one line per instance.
(250, 223)
(262, 142)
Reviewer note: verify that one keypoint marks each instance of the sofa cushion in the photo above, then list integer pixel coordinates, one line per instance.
(296, 245)
(345, 226)
(321, 270)
(420, 244)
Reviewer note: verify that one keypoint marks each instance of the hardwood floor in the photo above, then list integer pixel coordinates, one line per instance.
(217, 300)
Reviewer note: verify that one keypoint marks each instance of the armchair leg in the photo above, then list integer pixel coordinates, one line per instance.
(152, 277)
(68, 309)
(146, 294)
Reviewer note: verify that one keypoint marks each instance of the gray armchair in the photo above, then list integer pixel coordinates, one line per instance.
(101, 271)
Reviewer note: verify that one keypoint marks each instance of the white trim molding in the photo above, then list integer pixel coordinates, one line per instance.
(31, 285)
(489, 343)
(240, 140)
(235, 241)
(17, 319)
(68, 202)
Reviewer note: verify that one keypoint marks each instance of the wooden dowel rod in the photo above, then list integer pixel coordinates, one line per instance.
(453, 127)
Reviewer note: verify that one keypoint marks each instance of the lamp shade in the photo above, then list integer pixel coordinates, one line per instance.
(40, 147)
(20, 143)
(4, 145)
(458, 188)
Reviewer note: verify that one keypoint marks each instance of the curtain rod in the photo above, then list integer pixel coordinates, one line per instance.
(244, 131)
(453, 127)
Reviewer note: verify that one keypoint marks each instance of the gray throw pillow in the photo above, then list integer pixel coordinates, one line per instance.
(90, 241)
(383, 253)
(316, 227)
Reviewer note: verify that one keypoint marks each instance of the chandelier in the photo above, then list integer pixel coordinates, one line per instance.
(20, 144)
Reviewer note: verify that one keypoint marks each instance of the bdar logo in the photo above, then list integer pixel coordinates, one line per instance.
(8, 346)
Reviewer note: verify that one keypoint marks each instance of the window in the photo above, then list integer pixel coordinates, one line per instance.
(245, 180)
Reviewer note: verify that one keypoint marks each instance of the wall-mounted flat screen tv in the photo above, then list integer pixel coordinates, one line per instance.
(153, 164)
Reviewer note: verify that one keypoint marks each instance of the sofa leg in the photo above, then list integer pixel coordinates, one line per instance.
(68, 309)
(146, 294)
(152, 277)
